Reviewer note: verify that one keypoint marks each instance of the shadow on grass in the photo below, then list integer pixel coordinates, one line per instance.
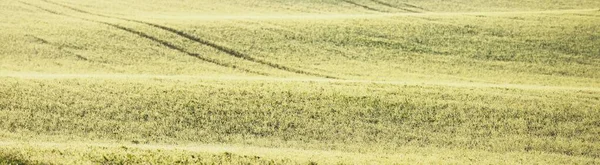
(15, 159)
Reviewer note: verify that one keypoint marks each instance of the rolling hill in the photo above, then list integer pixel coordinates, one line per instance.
(299, 82)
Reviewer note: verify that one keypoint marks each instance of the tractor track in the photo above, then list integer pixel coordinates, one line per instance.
(363, 6)
(208, 43)
(394, 6)
(154, 39)
(413, 6)
(58, 47)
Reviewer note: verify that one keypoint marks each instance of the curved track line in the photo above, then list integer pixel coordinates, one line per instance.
(363, 6)
(393, 6)
(162, 42)
(56, 46)
(413, 6)
(221, 48)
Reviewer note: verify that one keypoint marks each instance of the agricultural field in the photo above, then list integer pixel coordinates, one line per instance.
(299, 82)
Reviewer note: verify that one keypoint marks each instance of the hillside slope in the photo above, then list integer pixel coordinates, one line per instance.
(299, 82)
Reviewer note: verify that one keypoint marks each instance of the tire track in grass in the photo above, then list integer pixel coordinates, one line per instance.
(395, 7)
(363, 6)
(59, 47)
(154, 39)
(414, 6)
(208, 43)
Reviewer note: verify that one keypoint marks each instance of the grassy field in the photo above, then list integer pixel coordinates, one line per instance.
(299, 82)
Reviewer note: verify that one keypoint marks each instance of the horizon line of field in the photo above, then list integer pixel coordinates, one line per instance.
(226, 50)
(291, 80)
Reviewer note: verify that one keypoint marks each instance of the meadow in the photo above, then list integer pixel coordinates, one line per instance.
(299, 82)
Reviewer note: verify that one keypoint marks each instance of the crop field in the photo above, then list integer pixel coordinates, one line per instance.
(299, 82)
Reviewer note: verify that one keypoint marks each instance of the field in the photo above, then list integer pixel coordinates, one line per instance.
(299, 82)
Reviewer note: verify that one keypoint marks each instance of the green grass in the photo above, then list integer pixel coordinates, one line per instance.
(299, 82)
(111, 153)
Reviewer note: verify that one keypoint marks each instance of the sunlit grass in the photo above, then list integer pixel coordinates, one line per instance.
(299, 82)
